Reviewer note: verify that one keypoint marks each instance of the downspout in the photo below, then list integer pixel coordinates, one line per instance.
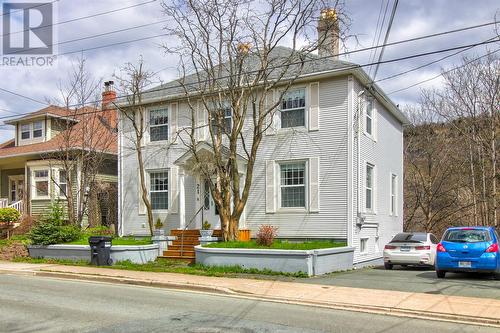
(358, 153)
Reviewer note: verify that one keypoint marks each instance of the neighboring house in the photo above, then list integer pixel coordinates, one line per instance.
(331, 166)
(31, 172)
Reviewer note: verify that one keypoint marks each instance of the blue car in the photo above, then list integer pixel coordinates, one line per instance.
(468, 249)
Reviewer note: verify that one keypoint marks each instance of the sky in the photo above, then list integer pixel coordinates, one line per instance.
(413, 18)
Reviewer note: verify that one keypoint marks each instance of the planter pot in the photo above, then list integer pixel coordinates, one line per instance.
(244, 235)
(159, 232)
(206, 233)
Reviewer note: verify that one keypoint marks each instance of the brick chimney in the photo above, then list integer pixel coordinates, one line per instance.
(108, 95)
(328, 34)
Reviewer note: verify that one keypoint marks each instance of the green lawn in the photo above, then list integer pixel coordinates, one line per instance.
(279, 245)
(116, 241)
(174, 266)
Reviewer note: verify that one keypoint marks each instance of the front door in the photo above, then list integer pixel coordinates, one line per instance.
(210, 212)
(16, 188)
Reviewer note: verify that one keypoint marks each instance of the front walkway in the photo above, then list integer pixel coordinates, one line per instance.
(416, 305)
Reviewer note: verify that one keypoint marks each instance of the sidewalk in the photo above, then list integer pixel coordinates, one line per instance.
(415, 305)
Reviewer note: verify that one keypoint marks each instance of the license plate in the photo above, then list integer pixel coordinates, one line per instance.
(464, 264)
(405, 248)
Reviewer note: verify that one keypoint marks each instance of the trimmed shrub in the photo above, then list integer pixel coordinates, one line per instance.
(51, 229)
(9, 215)
(266, 235)
(99, 231)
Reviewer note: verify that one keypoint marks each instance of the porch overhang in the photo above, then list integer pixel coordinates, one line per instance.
(203, 156)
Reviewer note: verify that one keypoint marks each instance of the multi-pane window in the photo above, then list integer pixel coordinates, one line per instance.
(369, 187)
(25, 131)
(63, 182)
(226, 119)
(293, 185)
(293, 106)
(158, 125)
(41, 183)
(37, 129)
(394, 187)
(369, 117)
(158, 190)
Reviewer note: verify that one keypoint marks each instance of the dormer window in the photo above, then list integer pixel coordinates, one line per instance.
(37, 129)
(25, 131)
(32, 130)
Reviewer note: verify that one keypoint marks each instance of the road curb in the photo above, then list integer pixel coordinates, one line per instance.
(391, 311)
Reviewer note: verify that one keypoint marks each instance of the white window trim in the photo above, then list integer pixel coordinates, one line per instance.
(148, 124)
(57, 179)
(395, 194)
(373, 209)
(34, 195)
(306, 110)
(361, 239)
(148, 186)
(31, 131)
(277, 172)
(373, 117)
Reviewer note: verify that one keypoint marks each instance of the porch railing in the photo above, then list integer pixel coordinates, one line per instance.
(18, 205)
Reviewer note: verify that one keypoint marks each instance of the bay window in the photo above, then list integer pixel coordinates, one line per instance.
(41, 183)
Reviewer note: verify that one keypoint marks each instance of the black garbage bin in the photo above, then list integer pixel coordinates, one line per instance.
(100, 250)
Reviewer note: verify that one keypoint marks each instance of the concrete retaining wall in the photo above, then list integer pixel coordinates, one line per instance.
(138, 254)
(311, 262)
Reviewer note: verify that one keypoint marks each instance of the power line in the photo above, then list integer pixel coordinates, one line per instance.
(85, 17)
(386, 38)
(343, 68)
(20, 10)
(100, 35)
(315, 59)
(378, 32)
(441, 74)
(429, 63)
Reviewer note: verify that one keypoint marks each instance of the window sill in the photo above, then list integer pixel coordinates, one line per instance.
(287, 130)
(160, 211)
(292, 210)
(370, 136)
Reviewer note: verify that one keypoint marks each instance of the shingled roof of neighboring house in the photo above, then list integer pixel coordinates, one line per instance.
(50, 111)
(102, 125)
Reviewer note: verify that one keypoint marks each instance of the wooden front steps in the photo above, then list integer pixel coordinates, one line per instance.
(183, 247)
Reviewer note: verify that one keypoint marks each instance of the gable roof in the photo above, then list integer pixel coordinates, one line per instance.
(313, 66)
(102, 126)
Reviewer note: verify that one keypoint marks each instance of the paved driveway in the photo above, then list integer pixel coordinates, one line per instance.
(410, 279)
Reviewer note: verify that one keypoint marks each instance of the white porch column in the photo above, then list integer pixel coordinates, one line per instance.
(182, 200)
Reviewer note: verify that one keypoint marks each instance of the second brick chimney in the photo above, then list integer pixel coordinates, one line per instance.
(108, 95)
(328, 34)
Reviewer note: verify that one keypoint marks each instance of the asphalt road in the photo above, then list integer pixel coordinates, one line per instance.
(35, 304)
(414, 279)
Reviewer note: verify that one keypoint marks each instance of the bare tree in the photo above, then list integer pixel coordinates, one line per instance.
(233, 51)
(84, 145)
(132, 82)
(469, 103)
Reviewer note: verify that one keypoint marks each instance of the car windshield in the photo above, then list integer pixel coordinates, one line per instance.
(467, 236)
(408, 237)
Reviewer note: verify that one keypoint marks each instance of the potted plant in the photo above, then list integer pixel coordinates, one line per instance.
(158, 228)
(205, 231)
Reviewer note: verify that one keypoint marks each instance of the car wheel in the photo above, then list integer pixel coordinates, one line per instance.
(441, 274)
(388, 266)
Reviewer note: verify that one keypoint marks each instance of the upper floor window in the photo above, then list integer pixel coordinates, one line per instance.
(369, 117)
(158, 125)
(369, 186)
(293, 108)
(37, 129)
(293, 185)
(32, 130)
(226, 114)
(158, 189)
